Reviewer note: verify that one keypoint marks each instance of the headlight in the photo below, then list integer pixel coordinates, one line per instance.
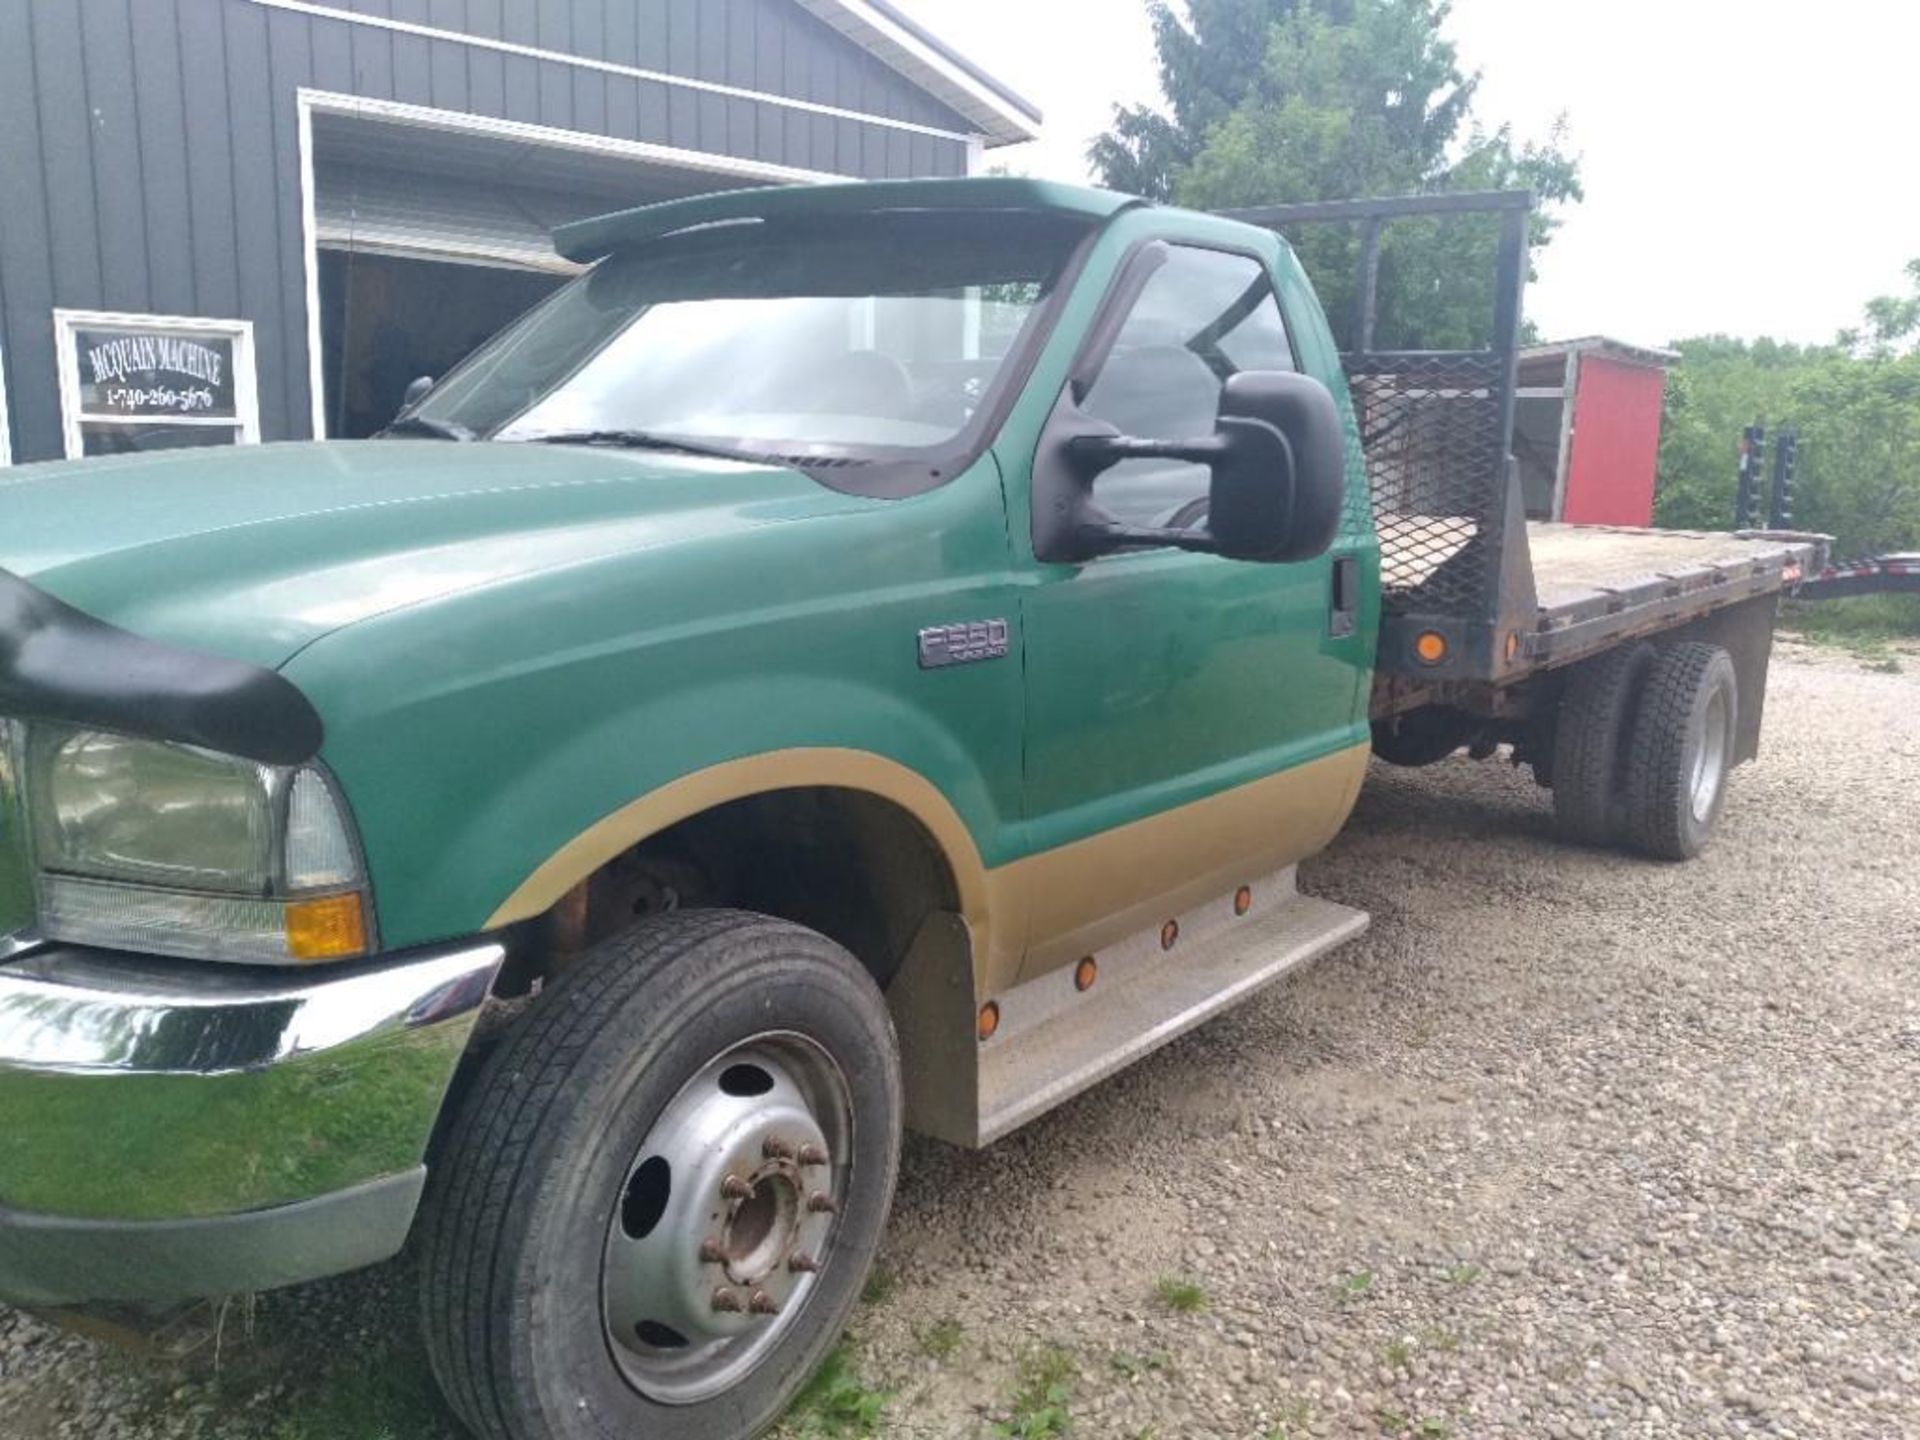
(179, 851)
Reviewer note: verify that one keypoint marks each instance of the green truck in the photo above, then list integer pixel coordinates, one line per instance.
(858, 657)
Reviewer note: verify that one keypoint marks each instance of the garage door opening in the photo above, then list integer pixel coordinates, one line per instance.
(432, 230)
(385, 320)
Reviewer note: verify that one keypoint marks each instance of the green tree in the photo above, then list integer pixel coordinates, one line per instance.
(1272, 101)
(1855, 403)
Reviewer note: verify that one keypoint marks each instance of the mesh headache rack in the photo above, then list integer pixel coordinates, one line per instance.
(1436, 425)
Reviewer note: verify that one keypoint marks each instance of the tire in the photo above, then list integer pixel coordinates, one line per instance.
(561, 1262)
(1590, 744)
(1681, 751)
(1422, 737)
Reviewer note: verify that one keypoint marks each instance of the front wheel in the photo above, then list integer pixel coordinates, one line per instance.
(657, 1206)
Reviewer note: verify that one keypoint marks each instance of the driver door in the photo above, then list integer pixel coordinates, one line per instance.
(1191, 720)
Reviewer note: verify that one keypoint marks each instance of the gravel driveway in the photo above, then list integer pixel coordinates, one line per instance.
(1568, 1144)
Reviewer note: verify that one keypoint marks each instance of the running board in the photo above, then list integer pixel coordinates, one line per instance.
(1056, 1035)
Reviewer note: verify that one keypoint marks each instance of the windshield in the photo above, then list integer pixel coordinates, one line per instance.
(868, 337)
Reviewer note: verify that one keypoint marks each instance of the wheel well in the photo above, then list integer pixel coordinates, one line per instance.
(854, 866)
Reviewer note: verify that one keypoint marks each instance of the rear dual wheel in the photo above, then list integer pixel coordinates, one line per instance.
(657, 1206)
(1644, 747)
(1680, 751)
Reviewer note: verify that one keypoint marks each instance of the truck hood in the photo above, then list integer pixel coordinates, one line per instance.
(255, 552)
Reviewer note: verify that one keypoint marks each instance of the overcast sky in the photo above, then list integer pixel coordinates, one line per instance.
(1747, 162)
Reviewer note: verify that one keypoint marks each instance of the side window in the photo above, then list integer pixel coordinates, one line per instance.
(1203, 316)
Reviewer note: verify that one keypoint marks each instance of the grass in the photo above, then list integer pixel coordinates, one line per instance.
(1182, 1296)
(1353, 1286)
(1463, 1274)
(837, 1402)
(1868, 627)
(880, 1283)
(1295, 1423)
(1131, 1367)
(384, 1397)
(1043, 1387)
(940, 1339)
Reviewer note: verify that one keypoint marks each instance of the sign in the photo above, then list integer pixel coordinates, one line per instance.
(126, 371)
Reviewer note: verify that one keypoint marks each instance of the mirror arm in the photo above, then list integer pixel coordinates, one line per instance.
(1103, 537)
(1095, 453)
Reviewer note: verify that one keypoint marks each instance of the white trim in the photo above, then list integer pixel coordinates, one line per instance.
(917, 51)
(6, 424)
(309, 102)
(310, 266)
(246, 390)
(607, 67)
(977, 155)
(396, 112)
(1570, 384)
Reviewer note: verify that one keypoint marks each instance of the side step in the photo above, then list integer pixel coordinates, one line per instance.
(1056, 1039)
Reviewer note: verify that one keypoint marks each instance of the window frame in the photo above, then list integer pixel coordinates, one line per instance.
(1131, 277)
(244, 423)
(6, 418)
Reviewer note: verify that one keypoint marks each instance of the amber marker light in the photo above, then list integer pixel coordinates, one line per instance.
(989, 1019)
(333, 927)
(1513, 645)
(1169, 933)
(1085, 973)
(1430, 646)
(1243, 900)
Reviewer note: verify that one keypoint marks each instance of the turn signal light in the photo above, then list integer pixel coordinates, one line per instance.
(1243, 900)
(989, 1019)
(1085, 973)
(333, 927)
(1430, 646)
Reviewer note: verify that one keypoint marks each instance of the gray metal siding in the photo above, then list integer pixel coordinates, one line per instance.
(151, 161)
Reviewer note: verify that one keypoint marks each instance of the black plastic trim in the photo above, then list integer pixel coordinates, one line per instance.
(52, 1260)
(59, 663)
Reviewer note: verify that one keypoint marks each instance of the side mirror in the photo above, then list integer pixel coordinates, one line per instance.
(1278, 460)
(416, 391)
(1277, 491)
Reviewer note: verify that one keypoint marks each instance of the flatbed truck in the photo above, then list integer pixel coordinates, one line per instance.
(859, 657)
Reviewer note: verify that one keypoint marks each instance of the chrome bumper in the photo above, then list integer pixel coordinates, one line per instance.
(170, 1129)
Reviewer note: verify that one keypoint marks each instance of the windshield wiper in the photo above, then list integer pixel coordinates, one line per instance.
(421, 425)
(639, 440)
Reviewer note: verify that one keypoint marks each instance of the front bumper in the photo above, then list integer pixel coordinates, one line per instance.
(171, 1129)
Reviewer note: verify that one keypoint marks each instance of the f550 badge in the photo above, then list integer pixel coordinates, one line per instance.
(962, 644)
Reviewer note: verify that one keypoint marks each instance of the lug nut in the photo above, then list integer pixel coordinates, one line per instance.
(726, 1302)
(822, 1204)
(763, 1304)
(774, 1148)
(712, 1252)
(803, 1264)
(734, 1188)
(812, 1155)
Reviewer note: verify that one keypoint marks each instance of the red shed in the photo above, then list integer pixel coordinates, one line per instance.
(1586, 430)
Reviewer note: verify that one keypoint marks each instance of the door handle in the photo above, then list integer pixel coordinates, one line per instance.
(1343, 610)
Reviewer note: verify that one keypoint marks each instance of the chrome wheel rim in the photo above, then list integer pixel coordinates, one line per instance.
(1710, 759)
(726, 1218)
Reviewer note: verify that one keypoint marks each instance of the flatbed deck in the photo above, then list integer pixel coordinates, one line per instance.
(1596, 585)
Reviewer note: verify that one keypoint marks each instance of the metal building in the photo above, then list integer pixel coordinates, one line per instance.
(233, 220)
